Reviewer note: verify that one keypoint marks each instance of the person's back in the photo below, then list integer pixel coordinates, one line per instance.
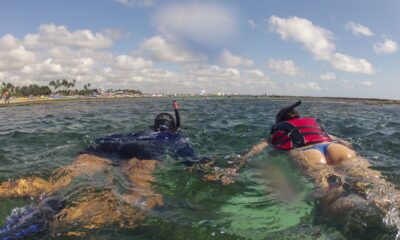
(154, 145)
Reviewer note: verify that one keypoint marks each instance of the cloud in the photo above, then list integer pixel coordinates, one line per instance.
(230, 60)
(328, 76)
(359, 30)
(256, 73)
(52, 53)
(46, 67)
(214, 79)
(161, 50)
(308, 86)
(349, 64)
(39, 57)
(16, 58)
(199, 23)
(386, 47)
(257, 76)
(128, 62)
(139, 3)
(8, 41)
(53, 35)
(127, 71)
(286, 67)
(2, 76)
(347, 84)
(255, 26)
(366, 83)
(114, 33)
(315, 39)
(318, 41)
(213, 72)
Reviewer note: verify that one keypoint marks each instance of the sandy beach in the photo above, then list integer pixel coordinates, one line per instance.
(24, 101)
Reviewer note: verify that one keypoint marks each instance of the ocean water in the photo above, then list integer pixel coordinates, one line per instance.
(35, 140)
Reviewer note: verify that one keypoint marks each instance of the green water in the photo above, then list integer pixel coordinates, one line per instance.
(35, 140)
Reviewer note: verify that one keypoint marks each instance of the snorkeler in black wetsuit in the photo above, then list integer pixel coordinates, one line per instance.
(137, 154)
(151, 144)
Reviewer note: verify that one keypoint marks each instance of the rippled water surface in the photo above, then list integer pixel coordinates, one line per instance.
(37, 139)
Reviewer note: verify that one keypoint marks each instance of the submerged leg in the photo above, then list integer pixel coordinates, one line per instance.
(34, 186)
(84, 164)
(350, 191)
(140, 175)
(24, 187)
(95, 210)
(326, 178)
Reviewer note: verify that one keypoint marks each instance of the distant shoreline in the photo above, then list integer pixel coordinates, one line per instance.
(39, 100)
(373, 101)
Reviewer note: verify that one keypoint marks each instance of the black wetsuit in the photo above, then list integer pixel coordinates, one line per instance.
(147, 145)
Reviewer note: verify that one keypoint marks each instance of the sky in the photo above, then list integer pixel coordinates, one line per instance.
(304, 47)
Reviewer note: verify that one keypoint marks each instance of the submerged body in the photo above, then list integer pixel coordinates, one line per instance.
(144, 145)
(347, 189)
(136, 155)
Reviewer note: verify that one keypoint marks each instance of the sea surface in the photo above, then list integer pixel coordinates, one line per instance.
(35, 140)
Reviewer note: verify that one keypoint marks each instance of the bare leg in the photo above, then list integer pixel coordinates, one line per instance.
(140, 175)
(84, 164)
(34, 186)
(361, 191)
(24, 187)
(326, 178)
(95, 210)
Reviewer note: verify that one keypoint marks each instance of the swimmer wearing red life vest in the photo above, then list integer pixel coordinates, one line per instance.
(346, 188)
(304, 137)
(290, 131)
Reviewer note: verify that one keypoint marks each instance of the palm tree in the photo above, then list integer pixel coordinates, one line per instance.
(65, 84)
(52, 83)
(72, 84)
(10, 87)
(58, 84)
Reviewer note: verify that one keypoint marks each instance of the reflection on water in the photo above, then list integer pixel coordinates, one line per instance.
(270, 199)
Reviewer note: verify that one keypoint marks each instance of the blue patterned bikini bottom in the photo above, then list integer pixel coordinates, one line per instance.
(322, 147)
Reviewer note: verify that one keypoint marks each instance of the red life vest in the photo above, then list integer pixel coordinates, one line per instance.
(297, 133)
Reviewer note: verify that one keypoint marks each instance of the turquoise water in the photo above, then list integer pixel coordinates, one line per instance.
(35, 140)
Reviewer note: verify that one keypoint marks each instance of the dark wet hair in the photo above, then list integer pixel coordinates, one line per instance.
(164, 121)
(288, 113)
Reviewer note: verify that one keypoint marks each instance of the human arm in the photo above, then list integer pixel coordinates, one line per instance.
(177, 116)
(256, 149)
(226, 175)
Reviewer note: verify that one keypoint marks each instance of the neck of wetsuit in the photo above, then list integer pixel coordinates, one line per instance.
(298, 132)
